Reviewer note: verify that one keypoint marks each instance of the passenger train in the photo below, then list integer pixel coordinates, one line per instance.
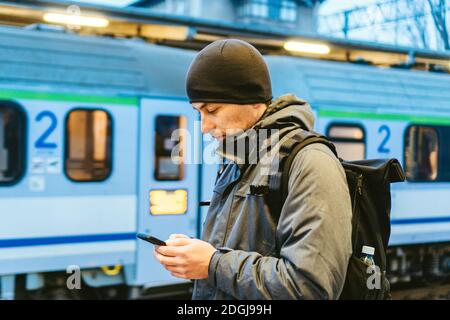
(85, 144)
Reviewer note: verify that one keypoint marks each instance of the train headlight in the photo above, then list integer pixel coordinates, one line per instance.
(168, 201)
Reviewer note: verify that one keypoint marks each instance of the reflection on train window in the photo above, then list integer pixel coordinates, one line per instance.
(349, 140)
(169, 147)
(12, 142)
(88, 145)
(421, 153)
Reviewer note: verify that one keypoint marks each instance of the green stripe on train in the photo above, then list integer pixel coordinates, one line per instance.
(419, 119)
(52, 96)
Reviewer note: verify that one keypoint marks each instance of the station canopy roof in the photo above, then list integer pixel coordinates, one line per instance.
(195, 33)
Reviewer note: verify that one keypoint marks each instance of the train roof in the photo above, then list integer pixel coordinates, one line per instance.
(65, 62)
(352, 86)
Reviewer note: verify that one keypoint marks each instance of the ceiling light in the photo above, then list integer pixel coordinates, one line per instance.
(75, 20)
(306, 47)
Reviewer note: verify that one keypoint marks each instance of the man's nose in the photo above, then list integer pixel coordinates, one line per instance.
(207, 125)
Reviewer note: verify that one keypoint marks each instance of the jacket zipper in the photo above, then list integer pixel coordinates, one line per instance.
(358, 190)
(359, 184)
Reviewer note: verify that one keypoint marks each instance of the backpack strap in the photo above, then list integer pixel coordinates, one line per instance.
(279, 182)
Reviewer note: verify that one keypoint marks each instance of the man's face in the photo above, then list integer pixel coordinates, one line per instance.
(224, 119)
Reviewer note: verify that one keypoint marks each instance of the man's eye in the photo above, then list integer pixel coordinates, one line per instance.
(212, 110)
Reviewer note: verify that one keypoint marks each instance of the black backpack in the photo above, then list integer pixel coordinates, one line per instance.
(369, 187)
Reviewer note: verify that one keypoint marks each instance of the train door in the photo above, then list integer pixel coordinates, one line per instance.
(210, 166)
(168, 178)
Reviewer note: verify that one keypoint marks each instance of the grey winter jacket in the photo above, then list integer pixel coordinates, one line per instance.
(303, 256)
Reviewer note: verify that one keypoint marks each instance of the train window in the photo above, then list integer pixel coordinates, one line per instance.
(349, 140)
(12, 142)
(88, 145)
(421, 153)
(169, 147)
(444, 153)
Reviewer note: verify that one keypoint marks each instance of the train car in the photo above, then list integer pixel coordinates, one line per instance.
(85, 128)
(371, 113)
(86, 138)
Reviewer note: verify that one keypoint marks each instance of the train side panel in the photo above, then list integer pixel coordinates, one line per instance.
(420, 210)
(384, 103)
(50, 221)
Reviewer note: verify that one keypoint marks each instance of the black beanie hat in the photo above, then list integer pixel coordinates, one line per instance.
(229, 71)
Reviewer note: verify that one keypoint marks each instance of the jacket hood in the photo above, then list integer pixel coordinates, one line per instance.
(287, 111)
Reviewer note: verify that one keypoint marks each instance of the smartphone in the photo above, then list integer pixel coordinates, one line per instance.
(151, 239)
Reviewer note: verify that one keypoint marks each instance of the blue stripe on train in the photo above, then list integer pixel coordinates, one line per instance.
(421, 220)
(25, 242)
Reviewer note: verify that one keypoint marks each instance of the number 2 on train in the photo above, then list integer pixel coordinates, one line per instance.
(41, 142)
(382, 148)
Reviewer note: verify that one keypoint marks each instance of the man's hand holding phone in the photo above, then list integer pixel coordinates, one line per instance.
(185, 257)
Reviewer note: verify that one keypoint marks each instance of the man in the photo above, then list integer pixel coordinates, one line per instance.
(245, 253)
